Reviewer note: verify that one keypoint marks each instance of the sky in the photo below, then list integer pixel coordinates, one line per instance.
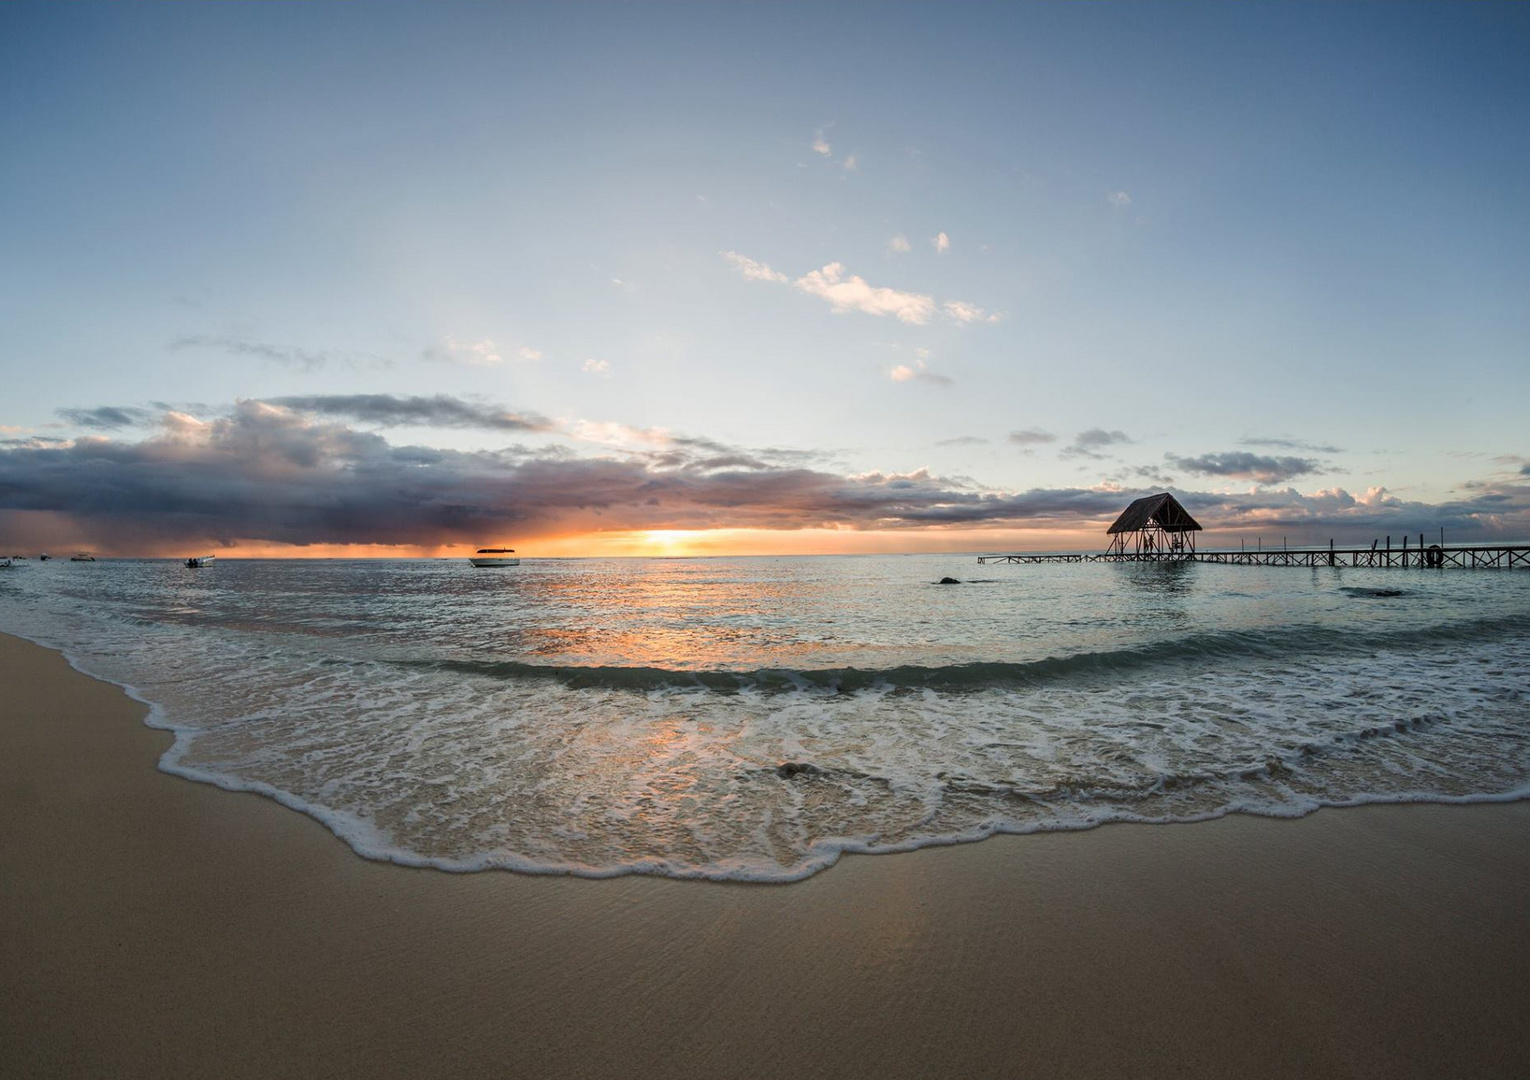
(591, 279)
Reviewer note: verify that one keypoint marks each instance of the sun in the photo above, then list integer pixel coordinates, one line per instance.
(668, 541)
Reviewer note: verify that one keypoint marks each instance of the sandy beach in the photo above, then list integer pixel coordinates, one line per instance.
(158, 927)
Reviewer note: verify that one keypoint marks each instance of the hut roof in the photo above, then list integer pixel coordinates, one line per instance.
(1162, 510)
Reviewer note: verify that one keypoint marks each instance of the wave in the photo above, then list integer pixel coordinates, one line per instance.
(1189, 651)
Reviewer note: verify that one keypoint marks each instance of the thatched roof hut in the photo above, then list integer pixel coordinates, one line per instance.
(1162, 510)
(1158, 527)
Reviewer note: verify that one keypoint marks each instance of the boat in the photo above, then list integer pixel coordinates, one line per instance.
(200, 560)
(44, 557)
(487, 557)
(82, 556)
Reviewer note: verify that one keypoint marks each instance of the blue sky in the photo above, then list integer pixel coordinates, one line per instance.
(1248, 252)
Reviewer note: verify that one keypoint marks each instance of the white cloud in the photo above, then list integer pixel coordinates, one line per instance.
(963, 312)
(899, 245)
(529, 354)
(610, 433)
(1119, 198)
(904, 373)
(821, 144)
(941, 241)
(598, 367)
(754, 271)
(474, 353)
(849, 164)
(854, 294)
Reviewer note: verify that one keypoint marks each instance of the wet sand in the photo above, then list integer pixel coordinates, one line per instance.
(157, 927)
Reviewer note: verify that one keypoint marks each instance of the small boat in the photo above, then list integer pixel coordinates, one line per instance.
(200, 560)
(486, 557)
(82, 556)
(44, 557)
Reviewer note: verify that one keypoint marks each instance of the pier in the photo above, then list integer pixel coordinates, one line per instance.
(1156, 528)
(1431, 557)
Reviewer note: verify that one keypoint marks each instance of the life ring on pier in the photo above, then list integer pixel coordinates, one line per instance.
(1434, 557)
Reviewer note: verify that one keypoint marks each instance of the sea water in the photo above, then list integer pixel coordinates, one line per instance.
(754, 718)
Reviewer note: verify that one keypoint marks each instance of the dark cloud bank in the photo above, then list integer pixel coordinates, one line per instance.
(292, 472)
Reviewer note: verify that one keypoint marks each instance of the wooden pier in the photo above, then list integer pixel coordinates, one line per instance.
(1419, 556)
(1156, 528)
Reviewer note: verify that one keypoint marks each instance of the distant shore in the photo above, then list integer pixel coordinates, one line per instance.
(157, 927)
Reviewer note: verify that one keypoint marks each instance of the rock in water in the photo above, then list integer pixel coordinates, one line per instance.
(948, 581)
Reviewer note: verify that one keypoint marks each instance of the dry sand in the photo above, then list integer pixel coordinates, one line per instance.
(157, 927)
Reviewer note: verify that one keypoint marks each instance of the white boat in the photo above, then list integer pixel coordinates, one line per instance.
(200, 560)
(82, 556)
(487, 557)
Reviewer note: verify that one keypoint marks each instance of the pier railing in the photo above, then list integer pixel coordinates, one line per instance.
(1431, 557)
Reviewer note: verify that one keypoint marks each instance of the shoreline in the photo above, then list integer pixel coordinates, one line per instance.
(375, 847)
(160, 926)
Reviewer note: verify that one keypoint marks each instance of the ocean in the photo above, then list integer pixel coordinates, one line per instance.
(755, 718)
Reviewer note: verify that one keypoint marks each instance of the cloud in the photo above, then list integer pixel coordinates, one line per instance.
(963, 440)
(920, 370)
(107, 417)
(849, 164)
(821, 144)
(1293, 444)
(899, 245)
(1031, 436)
(904, 373)
(528, 354)
(1119, 198)
(1241, 465)
(1154, 475)
(618, 435)
(598, 367)
(270, 473)
(438, 411)
(33, 442)
(1090, 443)
(941, 242)
(385, 410)
(265, 472)
(754, 271)
(854, 294)
(288, 355)
(963, 312)
(1095, 438)
(474, 353)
